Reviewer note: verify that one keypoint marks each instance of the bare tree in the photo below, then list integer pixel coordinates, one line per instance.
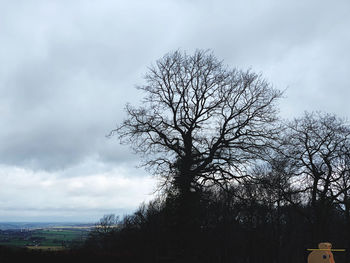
(107, 224)
(317, 146)
(201, 123)
(101, 235)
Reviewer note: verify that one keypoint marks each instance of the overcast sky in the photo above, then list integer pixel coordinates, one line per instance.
(69, 67)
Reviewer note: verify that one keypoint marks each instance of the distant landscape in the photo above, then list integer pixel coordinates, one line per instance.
(46, 236)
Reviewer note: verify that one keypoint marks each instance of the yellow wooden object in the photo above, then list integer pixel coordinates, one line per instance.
(321, 255)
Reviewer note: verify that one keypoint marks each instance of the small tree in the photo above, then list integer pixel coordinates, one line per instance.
(107, 224)
(101, 236)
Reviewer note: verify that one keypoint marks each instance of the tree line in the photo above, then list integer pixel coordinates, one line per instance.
(236, 183)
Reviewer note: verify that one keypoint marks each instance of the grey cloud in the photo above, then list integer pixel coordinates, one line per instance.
(69, 67)
(72, 69)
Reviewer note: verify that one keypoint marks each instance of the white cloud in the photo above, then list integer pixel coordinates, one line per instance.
(42, 194)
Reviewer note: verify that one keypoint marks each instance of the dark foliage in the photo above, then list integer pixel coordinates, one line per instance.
(231, 229)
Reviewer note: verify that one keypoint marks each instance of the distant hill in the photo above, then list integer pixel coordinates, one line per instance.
(35, 225)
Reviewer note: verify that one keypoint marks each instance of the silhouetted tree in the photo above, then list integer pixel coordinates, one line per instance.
(272, 191)
(101, 236)
(201, 123)
(316, 145)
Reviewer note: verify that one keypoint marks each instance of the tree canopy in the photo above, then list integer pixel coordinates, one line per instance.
(201, 122)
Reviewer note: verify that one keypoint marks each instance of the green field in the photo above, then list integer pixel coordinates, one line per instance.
(44, 238)
(53, 237)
